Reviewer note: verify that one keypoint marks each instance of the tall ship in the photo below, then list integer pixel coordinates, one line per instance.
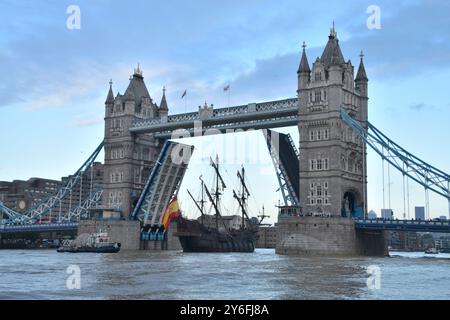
(213, 233)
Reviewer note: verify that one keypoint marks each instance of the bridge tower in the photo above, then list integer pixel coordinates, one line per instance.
(332, 157)
(128, 157)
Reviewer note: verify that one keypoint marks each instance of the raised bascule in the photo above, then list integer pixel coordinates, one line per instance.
(323, 184)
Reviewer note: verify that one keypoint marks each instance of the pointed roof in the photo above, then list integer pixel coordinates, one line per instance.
(110, 97)
(137, 88)
(163, 105)
(332, 54)
(361, 75)
(304, 65)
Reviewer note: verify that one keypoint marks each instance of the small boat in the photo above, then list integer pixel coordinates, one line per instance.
(431, 251)
(96, 242)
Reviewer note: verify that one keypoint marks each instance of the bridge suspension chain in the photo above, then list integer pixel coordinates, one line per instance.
(408, 164)
(54, 201)
(43, 208)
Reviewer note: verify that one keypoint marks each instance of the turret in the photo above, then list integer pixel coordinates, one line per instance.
(110, 97)
(163, 108)
(304, 72)
(361, 85)
(361, 80)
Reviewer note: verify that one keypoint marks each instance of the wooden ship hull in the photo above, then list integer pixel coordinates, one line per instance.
(194, 237)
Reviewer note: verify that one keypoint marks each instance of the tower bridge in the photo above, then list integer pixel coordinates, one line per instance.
(327, 176)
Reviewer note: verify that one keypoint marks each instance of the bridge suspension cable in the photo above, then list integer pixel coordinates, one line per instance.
(82, 210)
(408, 164)
(46, 207)
(43, 208)
(13, 217)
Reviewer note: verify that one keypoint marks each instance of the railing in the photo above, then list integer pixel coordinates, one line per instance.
(38, 227)
(406, 225)
(225, 113)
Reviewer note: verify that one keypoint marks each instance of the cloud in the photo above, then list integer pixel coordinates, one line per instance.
(257, 52)
(87, 121)
(413, 39)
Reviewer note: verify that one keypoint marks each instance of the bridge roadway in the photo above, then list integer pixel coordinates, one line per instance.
(32, 228)
(404, 225)
(366, 224)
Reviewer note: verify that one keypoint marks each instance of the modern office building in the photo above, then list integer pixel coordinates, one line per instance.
(419, 213)
(387, 214)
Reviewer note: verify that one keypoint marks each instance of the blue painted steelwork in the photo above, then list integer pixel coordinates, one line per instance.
(12, 216)
(82, 211)
(162, 184)
(285, 158)
(157, 235)
(42, 209)
(409, 165)
(151, 181)
(403, 225)
(38, 228)
(272, 114)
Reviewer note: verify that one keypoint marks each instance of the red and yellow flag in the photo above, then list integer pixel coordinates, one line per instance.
(172, 212)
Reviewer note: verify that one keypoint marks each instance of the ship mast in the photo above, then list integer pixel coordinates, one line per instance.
(262, 216)
(216, 208)
(200, 206)
(217, 193)
(243, 198)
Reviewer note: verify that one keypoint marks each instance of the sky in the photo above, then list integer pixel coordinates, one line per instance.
(55, 79)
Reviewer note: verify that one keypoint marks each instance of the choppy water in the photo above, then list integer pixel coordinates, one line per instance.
(42, 274)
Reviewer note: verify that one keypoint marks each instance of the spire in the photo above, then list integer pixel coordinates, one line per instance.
(138, 71)
(361, 75)
(333, 33)
(332, 54)
(304, 65)
(137, 89)
(110, 98)
(163, 105)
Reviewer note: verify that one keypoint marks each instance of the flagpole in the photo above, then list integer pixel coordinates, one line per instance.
(184, 96)
(229, 89)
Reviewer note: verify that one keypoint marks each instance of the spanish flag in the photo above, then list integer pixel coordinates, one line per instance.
(172, 212)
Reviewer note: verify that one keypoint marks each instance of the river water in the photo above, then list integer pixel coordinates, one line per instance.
(42, 274)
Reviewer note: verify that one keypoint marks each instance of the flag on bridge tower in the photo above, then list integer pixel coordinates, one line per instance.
(227, 89)
(185, 100)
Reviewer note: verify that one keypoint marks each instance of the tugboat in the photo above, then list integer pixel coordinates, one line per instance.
(431, 250)
(96, 242)
(198, 236)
